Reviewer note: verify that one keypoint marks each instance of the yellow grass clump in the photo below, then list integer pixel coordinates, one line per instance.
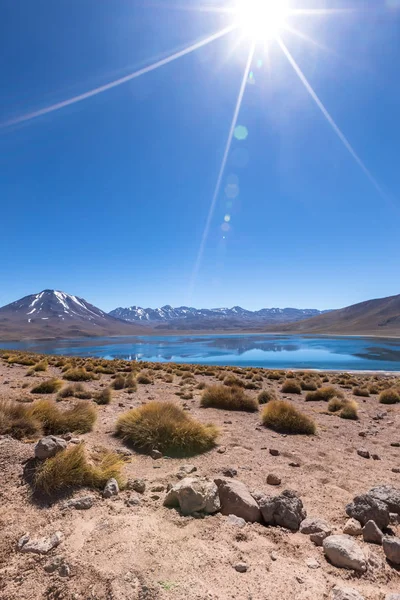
(228, 398)
(17, 421)
(80, 418)
(50, 386)
(389, 396)
(324, 393)
(79, 374)
(74, 390)
(283, 417)
(349, 410)
(266, 396)
(291, 386)
(71, 468)
(103, 397)
(166, 427)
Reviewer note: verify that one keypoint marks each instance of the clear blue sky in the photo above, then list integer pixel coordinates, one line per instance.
(108, 198)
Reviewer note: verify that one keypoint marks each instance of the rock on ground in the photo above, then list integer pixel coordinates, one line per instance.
(317, 529)
(352, 527)
(347, 593)
(391, 548)
(194, 495)
(285, 510)
(236, 500)
(111, 488)
(372, 533)
(344, 552)
(49, 446)
(83, 503)
(41, 545)
(367, 508)
(388, 495)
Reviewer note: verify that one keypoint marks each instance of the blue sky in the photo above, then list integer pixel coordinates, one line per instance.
(108, 198)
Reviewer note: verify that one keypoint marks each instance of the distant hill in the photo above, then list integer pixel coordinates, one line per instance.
(373, 317)
(54, 314)
(185, 318)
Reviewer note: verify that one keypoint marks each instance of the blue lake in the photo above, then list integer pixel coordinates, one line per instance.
(270, 351)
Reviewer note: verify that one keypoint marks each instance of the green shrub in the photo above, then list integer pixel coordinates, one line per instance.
(228, 398)
(50, 386)
(283, 417)
(166, 427)
(71, 469)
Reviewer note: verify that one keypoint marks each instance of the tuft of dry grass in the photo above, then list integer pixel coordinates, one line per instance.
(233, 381)
(144, 379)
(71, 469)
(50, 386)
(283, 417)
(349, 410)
(80, 418)
(361, 391)
(166, 427)
(389, 396)
(324, 393)
(74, 390)
(103, 397)
(228, 398)
(291, 386)
(17, 421)
(79, 374)
(335, 404)
(308, 385)
(266, 396)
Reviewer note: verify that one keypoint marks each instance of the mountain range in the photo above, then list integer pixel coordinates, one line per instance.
(53, 314)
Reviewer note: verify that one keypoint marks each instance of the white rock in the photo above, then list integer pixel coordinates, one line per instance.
(41, 545)
(352, 527)
(339, 593)
(49, 446)
(194, 495)
(111, 488)
(344, 552)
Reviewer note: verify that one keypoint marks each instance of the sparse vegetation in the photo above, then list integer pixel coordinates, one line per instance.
(144, 379)
(71, 468)
(166, 427)
(266, 396)
(74, 390)
(80, 418)
(79, 374)
(50, 386)
(361, 391)
(389, 396)
(17, 421)
(335, 404)
(103, 397)
(228, 398)
(324, 393)
(283, 417)
(291, 386)
(349, 410)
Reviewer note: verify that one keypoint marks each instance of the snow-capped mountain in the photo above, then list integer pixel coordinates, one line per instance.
(52, 313)
(186, 317)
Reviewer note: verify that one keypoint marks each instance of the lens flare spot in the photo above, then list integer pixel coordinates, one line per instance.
(227, 218)
(232, 191)
(241, 132)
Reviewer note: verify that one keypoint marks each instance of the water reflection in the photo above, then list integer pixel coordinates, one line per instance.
(280, 351)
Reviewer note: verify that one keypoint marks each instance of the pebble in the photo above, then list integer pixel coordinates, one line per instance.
(363, 453)
(396, 470)
(274, 452)
(375, 457)
(229, 472)
(312, 563)
(294, 464)
(395, 444)
(111, 488)
(156, 454)
(132, 502)
(274, 555)
(221, 450)
(273, 479)
(237, 521)
(137, 485)
(352, 527)
(241, 567)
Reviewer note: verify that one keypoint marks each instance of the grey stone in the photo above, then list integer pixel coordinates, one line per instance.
(389, 495)
(49, 446)
(132, 501)
(53, 564)
(41, 545)
(221, 450)
(194, 495)
(185, 470)
(372, 533)
(274, 452)
(363, 453)
(156, 454)
(241, 567)
(64, 570)
(111, 488)
(285, 510)
(274, 555)
(367, 508)
(83, 503)
(391, 548)
(229, 472)
(339, 593)
(237, 521)
(273, 479)
(236, 500)
(137, 485)
(344, 552)
(312, 563)
(317, 529)
(352, 527)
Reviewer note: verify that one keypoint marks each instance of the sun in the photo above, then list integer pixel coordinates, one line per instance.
(261, 20)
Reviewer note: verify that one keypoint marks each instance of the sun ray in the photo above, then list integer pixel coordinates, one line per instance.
(117, 82)
(308, 39)
(222, 169)
(330, 120)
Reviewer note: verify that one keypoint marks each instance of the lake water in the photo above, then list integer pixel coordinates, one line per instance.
(270, 351)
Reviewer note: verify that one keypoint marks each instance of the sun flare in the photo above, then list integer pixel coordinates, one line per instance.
(261, 20)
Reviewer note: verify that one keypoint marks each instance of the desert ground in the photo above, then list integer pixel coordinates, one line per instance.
(131, 546)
